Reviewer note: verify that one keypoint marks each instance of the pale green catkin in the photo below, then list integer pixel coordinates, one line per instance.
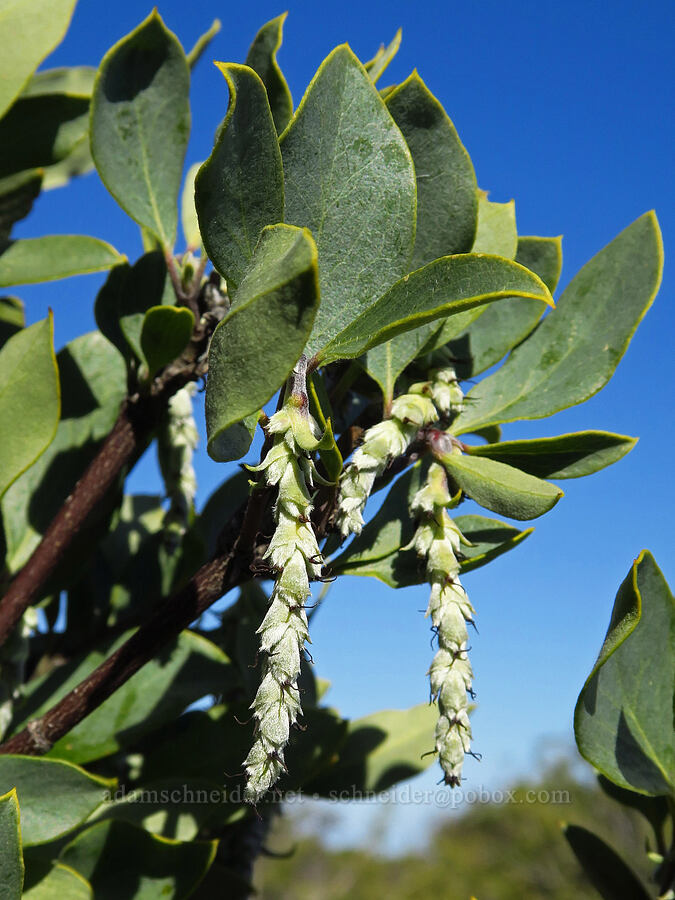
(438, 539)
(425, 403)
(293, 553)
(176, 443)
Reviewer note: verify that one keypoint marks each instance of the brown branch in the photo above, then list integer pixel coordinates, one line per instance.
(137, 419)
(242, 545)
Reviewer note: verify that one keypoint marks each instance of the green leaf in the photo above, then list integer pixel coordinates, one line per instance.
(29, 399)
(503, 326)
(59, 883)
(612, 878)
(54, 796)
(11, 859)
(391, 527)
(41, 130)
(202, 43)
(12, 318)
(575, 350)
(446, 208)
(376, 66)
(165, 333)
(447, 204)
(220, 507)
(92, 386)
(125, 298)
(489, 538)
(501, 488)
(121, 860)
(496, 230)
(564, 456)
(444, 287)
(240, 188)
(187, 669)
(623, 721)
(262, 58)
(189, 222)
(254, 348)
(140, 124)
(30, 30)
(32, 260)
(654, 809)
(380, 750)
(349, 177)
(17, 195)
(75, 81)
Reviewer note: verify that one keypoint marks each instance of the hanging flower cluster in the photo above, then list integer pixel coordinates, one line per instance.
(294, 553)
(438, 540)
(425, 402)
(177, 441)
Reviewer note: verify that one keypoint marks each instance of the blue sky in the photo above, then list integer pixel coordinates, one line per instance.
(568, 109)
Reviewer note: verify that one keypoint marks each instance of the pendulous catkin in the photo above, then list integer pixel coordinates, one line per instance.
(425, 402)
(438, 540)
(294, 554)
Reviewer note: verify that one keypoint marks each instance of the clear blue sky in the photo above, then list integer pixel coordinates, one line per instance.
(568, 109)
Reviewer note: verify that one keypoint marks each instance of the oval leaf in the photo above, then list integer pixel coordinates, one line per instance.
(30, 401)
(31, 29)
(54, 796)
(254, 348)
(623, 721)
(501, 488)
(122, 860)
(349, 177)
(444, 287)
(58, 883)
(11, 858)
(612, 878)
(262, 58)
(447, 203)
(140, 124)
(504, 325)
(380, 750)
(166, 332)
(17, 195)
(240, 187)
(160, 691)
(565, 456)
(32, 260)
(574, 352)
(496, 231)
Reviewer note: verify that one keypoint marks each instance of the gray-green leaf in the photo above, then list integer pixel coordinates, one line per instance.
(496, 232)
(29, 30)
(380, 750)
(185, 671)
(30, 403)
(59, 883)
(447, 203)
(442, 288)
(54, 796)
(623, 721)
(349, 177)
(165, 333)
(122, 860)
(499, 328)
(577, 347)
(376, 66)
(140, 124)
(254, 348)
(612, 878)
(501, 488)
(54, 256)
(240, 187)
(262, 58)
(564, 456)
(11, 859)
